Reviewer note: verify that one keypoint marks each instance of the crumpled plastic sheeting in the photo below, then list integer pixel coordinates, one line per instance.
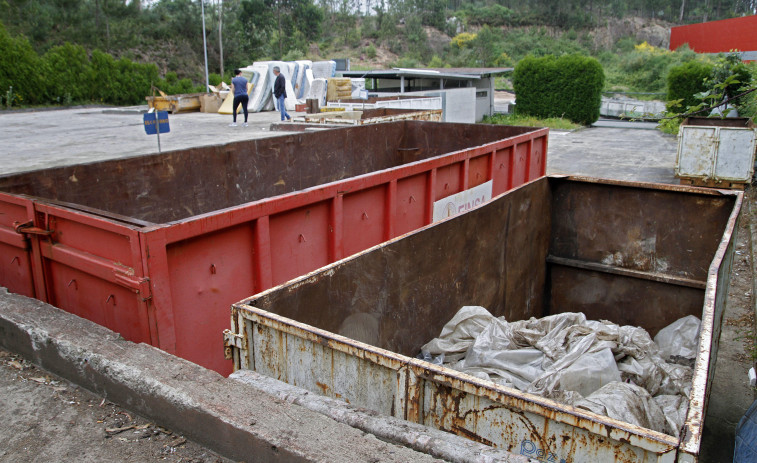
(568, 358)
(459, 333)
(674, 407)
(680, 339)
(627, 402)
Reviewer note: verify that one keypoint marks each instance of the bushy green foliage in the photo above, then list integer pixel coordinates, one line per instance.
(643, 69)
(491, 15)
(685, 81)
(569, 86)
(22, 69)
(538, 42)
(214, 79)
(370, 51)
(121, 81)
(69, 74)
(748, 106)
(729, 66)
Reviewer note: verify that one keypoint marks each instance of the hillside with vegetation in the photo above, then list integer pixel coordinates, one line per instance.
(64, 48)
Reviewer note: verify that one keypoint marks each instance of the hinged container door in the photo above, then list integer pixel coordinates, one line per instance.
(696, 149)
(92, 267)
(735, 158)
(15, 249)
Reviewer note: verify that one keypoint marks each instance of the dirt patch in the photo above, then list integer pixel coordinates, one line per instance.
(46, 418)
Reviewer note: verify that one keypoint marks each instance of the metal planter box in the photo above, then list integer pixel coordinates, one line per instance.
(158, 247)
(618, 251)
(716, 152)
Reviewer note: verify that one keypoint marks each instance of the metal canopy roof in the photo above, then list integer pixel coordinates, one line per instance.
(441, 73)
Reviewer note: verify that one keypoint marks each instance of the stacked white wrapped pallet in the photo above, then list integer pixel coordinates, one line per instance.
(299, 79)
(261, 91)
(324, 69)
(317, 91)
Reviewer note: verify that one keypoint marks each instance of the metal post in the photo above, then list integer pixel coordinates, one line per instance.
(157, 127)
(204, 45)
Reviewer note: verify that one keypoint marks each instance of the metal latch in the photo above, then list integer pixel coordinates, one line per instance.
(230, 340)
(28, 228)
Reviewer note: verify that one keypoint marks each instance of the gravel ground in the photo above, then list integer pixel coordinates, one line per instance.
(45, 419)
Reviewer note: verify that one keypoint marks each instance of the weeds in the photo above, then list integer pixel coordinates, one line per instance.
(557, 123)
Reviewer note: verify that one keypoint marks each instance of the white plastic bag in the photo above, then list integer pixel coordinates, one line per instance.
(680, 339)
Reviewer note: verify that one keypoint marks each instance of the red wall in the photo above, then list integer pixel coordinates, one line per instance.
(717, 36)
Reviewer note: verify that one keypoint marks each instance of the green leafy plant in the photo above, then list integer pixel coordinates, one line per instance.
(731, 84)
(685, 81)
(569, 86)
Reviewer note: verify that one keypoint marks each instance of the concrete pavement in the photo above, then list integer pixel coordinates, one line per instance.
(42, 139)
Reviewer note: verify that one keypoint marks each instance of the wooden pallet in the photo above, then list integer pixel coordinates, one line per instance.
(710, 183)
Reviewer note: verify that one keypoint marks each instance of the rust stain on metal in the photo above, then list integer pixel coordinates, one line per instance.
(462, 431)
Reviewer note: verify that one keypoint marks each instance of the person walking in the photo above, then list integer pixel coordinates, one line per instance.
(280, 92)
(239, 87)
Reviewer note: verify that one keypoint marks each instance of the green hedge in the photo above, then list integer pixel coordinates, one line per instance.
(686, 80)
(569, 86)
(67, 74)
(20, 68)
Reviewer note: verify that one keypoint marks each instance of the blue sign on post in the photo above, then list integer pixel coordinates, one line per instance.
(151, 128)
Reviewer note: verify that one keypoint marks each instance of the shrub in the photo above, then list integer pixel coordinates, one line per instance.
(22, 69)
(122, 81)
(370, 51)
(462, 39)
(645, 68)
(685, 81)
(214, 79)
(569, 86)
(436, 62)
(69, 74)
(748, 103)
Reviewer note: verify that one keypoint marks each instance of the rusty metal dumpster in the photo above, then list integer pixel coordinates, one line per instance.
(618, 251)
(158, 247)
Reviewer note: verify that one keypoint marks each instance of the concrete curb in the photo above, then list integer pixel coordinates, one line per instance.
(231, 418)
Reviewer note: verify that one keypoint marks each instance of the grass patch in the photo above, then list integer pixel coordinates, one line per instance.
(557, 123)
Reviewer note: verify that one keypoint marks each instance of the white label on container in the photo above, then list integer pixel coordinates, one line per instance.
(463, 201)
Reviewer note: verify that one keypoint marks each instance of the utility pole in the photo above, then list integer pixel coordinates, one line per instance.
(204, 45)
(220, 29)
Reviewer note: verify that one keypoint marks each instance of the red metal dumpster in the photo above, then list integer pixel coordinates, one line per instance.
(158, 247)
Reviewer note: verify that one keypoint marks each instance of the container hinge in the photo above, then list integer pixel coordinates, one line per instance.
(140, 285)
(231, 340)
(28, 228)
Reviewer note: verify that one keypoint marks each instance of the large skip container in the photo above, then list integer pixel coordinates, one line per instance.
(158, 247)
(634, 254)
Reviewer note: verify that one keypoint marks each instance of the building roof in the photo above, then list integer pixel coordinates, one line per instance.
(438, 73)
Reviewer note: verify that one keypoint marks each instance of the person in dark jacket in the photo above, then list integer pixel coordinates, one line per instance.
(280, 92)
